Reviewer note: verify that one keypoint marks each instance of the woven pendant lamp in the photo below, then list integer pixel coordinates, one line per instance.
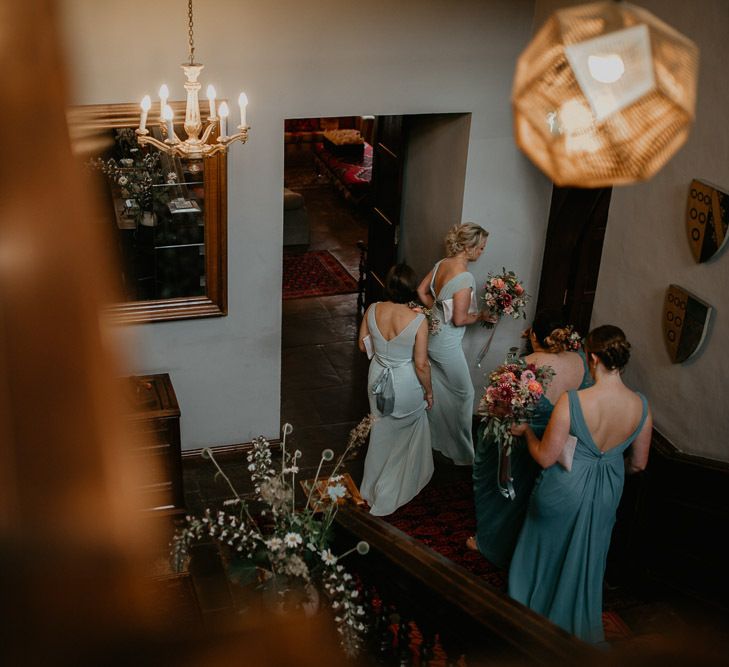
(604, 95)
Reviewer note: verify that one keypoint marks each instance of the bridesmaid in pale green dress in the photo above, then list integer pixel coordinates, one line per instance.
(499, 519)
(449, 290)
(399, 460)
(559, 562)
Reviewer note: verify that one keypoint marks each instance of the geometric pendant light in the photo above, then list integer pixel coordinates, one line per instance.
(604, 94)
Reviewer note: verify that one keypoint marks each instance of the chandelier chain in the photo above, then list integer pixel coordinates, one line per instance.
(190, 38)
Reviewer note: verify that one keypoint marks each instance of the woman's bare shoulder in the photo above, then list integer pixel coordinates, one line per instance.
(449, 267)
(539, 358)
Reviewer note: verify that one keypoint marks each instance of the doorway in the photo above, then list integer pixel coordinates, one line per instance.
(407, 179)
(326, 195)
(572, 252)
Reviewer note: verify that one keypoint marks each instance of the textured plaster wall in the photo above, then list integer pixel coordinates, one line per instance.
(432, 187)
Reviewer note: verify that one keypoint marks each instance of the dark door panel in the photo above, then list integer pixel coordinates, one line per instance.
(387, 170)
(572, 252)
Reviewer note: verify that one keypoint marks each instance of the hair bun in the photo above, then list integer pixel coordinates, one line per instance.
(563, 339)
(616, 354)
(460, 237)
(609, 345)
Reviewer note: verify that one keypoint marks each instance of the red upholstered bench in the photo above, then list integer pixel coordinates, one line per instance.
(351, 175)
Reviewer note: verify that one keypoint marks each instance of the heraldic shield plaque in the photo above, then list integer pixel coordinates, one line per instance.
(707, 219)
(685, 323)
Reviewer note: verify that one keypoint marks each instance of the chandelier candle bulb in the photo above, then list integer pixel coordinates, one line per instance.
(168, 116)
(164, 93)
(211, 99)
(242, 103)
(223, 118)
(146, 105)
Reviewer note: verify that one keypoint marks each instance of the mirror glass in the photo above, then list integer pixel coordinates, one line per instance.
(165, 214)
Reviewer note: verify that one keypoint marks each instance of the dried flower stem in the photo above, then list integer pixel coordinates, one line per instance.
(207, 453)
(313, 484)
(357, 436)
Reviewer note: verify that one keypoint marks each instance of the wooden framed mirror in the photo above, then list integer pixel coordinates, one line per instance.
(167, 216)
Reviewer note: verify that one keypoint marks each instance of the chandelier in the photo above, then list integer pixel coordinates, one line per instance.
(604, 94)
(194, 146)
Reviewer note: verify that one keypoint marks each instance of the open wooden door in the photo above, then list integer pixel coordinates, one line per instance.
(572, 252)
(389, 146)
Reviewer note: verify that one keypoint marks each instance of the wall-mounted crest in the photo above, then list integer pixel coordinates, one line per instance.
(707, 219)
(685, 323)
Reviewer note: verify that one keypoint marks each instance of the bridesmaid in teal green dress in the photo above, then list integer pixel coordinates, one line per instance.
(498, 518)
(559, 562)
(449, 290)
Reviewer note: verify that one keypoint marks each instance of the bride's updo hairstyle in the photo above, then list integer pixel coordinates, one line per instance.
(552, 332)
(464, 236)
(609, 345)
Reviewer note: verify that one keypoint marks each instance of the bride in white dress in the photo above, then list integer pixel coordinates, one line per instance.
(399, 460)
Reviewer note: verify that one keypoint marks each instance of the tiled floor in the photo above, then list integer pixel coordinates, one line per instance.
(323, 373)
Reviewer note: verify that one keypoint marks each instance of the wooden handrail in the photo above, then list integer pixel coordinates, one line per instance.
(529, 635)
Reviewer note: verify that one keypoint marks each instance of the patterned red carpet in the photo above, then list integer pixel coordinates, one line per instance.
(443, 517)
(316, 273)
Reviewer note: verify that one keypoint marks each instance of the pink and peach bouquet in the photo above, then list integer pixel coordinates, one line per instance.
(505, 295)
(514, 389)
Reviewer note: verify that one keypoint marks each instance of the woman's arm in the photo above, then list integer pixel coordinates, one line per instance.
(461, 304)
(426, 298)
(637, 458)
(364, 331)
(547, 450)
(420, 360)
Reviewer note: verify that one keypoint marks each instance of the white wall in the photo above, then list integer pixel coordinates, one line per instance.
(306, 60)
(432, 189)
(646, 249)
(433, 200)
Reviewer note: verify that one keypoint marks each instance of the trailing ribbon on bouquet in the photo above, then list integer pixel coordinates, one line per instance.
(499, 430)
(485, 348)
(505, 481)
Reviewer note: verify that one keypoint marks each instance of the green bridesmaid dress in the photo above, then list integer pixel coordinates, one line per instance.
(499, 519)
(451, 417)
(559, 561)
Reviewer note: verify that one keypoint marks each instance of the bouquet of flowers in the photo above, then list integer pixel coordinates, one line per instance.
(433, 321)
(283, 547)
(504, 295)
(513, 392)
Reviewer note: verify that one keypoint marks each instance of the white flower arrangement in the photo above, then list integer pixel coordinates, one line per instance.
(286, 548)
